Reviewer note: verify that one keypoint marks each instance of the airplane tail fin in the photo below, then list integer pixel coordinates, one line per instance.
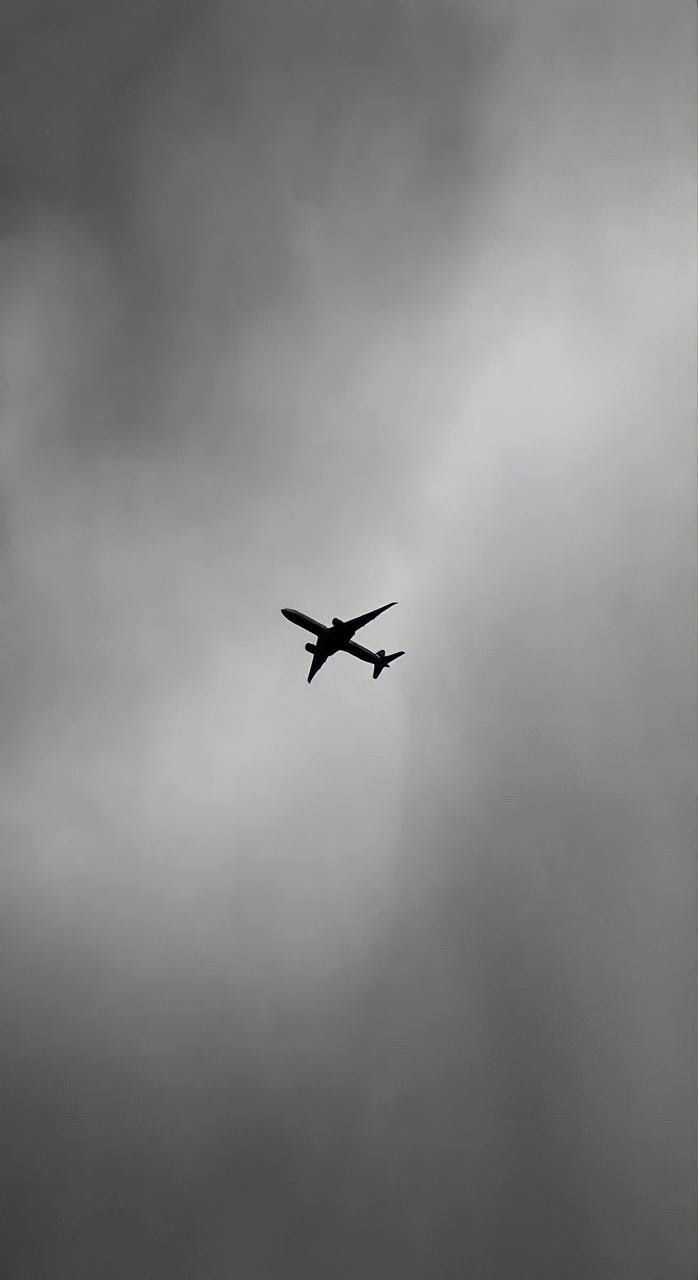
(383, 660)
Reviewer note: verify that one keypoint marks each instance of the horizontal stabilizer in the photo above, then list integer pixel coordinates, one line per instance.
(384, 659)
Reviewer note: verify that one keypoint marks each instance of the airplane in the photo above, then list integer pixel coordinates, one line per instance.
(339, 637)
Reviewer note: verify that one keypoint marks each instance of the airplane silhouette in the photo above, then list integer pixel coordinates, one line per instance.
(339, 637)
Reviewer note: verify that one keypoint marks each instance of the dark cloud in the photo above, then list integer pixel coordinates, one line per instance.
(320, 306)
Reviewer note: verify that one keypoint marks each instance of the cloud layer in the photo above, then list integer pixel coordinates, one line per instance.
(321, 308)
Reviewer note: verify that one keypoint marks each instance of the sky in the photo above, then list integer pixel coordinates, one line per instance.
(319, 306)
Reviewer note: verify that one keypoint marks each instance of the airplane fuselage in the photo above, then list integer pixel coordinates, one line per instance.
(329, 639)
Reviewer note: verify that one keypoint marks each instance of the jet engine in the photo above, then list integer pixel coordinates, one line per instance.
(310, 648)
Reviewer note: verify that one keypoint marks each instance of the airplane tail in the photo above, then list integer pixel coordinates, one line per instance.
(383, 660)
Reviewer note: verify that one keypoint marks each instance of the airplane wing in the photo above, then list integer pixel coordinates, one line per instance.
(319, 659)
(363, 618)
(358, 651)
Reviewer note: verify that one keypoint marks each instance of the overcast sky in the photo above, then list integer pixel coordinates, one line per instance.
(318, 305)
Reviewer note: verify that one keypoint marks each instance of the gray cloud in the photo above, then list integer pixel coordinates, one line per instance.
(324, 308)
